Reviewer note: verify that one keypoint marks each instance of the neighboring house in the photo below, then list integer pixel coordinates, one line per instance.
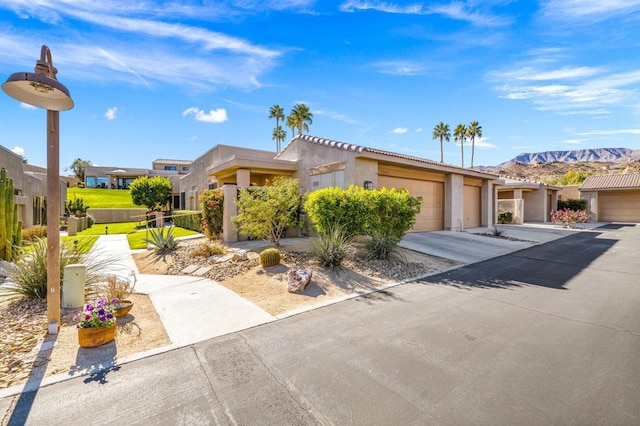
(30, 188)
(613, 198)
(527, 200)
(121, 178)
(453, 198)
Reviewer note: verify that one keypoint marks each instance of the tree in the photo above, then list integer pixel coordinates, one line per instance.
(441, 131)
(78, 167)
(267, 212)
(460, 135)
(277, 112)
(152, 192)
(279, 134)
(474, 131)
(292, 124)
(302, 117)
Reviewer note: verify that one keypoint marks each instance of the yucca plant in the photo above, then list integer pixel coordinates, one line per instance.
(332, 245)
(28, 275)
(162, 244)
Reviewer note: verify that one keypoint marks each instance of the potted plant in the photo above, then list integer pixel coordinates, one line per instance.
(97, 324)
(119, 289)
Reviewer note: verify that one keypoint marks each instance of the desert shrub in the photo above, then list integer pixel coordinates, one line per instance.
(90, 221)
(393, 213)
(188, 219)
(206, 250)
(115, 287)
(212, 203)
(76, 207)
(331, 207)
(266, 213)
(28, 275)
(331, 246)
(574, 204)
(161, 243)
(505, 217)
(33, 233)
(569, 217)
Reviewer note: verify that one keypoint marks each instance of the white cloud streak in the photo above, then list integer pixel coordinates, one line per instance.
(592, 10)
(611, 132)
(218, 115)
(18, 150)
(400, 130)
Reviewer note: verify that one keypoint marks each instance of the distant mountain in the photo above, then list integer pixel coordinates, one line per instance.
(602, 155)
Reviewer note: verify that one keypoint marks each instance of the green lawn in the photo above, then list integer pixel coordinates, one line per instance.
(134, 236)
(100, 198)
(85, 242)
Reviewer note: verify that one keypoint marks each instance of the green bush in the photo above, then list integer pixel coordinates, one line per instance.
(76, 207)
(212, 203)
(392, 213)
(90, 221)
(188, 219)
(33, 233)
(153, 192)
(266, 213)
(505, 217)
(331, 207)
(331, 246)
(385, 215)
(573, 204)
(207, 250)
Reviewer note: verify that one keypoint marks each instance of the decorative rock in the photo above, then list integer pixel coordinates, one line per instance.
(297, 280)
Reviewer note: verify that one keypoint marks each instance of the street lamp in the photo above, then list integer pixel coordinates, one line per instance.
(41, 89)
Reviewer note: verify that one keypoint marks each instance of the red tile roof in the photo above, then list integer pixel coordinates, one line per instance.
(617, 181)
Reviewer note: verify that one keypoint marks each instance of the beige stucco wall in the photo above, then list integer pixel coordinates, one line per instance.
(454, 202)
(592, 204)
(116, 215)
(535, 205)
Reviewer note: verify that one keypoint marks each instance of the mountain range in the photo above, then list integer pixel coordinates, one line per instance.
(602, 155)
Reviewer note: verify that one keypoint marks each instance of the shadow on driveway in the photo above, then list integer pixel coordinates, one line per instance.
(550, 265)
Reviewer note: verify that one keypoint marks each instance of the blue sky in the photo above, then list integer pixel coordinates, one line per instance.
(172, 79)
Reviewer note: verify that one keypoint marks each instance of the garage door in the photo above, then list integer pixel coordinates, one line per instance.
(619, 206)
(431, 216)
(471, 206)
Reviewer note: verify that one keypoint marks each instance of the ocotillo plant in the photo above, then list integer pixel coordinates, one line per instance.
(10, 226)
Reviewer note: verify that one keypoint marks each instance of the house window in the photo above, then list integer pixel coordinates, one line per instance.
(173, 168)
(90, 181)
(102, 182)
(185, 168)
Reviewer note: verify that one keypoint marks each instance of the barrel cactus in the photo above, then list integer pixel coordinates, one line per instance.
(270, 257)
(10, 226)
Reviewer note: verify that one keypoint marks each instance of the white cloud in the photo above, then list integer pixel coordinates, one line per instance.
(483, 144)
(397, 68)
(454, 10)
(611, 132)
(574, 141)
(419, 129)
(218, 115)
(111, 113)
(588, 9)
(194, 138)
(18, 150)
(27, 106)
(400, 130)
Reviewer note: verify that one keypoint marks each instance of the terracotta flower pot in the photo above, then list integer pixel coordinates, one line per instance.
(93, 337)
(123, 307)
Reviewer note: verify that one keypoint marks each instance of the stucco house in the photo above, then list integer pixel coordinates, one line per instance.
(613, 198)
(527, 200)
(453, 198)
(30, 187)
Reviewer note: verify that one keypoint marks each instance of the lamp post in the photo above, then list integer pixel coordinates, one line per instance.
(41, 89)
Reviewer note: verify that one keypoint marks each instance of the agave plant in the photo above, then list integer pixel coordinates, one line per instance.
(162, 244)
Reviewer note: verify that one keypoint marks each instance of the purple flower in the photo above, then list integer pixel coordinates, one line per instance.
(101, 312)
(109, 315)
(115, 300)
(87, 317)
(103, 318)
(89, 307)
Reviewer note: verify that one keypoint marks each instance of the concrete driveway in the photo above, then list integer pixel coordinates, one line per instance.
(547, 335)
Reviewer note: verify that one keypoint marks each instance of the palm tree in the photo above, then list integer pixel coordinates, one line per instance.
(302, 116)
(474, 131)
(277, 112)
(278, 135)
(292, 124)
(441, 131)
(459, 135)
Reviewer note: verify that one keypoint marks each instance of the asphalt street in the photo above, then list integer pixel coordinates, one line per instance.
(546, 335)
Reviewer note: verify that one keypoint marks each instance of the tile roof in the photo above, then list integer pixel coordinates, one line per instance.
(617, 181)
(359, 149)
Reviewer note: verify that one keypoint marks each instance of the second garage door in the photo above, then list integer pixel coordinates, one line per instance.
(431, 216)
(619, 206)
